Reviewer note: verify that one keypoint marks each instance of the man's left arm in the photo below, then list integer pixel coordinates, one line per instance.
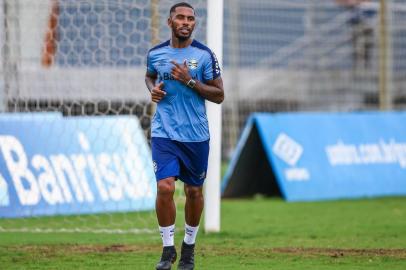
(212, 90)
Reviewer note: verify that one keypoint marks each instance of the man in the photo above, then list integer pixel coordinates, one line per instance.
(181, 74)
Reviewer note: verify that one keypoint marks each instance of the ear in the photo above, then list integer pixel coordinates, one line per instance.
(169, 21)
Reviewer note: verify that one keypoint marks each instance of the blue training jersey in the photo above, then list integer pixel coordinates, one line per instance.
(181, 114)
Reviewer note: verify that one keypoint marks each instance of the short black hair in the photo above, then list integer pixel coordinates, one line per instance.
(181, 4)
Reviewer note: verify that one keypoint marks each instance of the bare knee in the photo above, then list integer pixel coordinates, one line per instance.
(166, 187)
(194, 193)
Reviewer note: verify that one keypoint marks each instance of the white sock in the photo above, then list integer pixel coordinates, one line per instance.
(190, 234)
(167, 235)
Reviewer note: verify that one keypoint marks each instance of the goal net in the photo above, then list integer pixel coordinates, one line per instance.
(81, 60)
(315, 55)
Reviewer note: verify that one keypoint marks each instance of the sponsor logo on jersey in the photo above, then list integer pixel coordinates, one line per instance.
(166, 76)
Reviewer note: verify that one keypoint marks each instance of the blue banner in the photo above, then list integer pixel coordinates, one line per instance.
(317, 156)
(50, 165)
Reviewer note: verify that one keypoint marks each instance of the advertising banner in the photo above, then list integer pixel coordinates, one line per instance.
(317, 156)
(52, 165)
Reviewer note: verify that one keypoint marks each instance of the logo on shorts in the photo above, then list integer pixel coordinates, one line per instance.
(202, 175)
(192, 63)
(155, 166)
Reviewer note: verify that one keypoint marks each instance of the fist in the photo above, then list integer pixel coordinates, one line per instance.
(157, 93)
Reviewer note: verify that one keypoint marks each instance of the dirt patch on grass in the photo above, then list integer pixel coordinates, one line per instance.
(113, 248)
(86, 248)
(308, 252)
(216, 251)
(336, 253)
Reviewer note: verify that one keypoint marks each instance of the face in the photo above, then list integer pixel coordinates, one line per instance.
(182, 22)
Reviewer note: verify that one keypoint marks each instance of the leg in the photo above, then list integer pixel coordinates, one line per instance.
(165, 205)
(166, 167)
(194, 204)
(166, 213)
(193, 211)
(194, 161)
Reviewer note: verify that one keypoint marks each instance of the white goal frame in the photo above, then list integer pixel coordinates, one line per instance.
(212, 189)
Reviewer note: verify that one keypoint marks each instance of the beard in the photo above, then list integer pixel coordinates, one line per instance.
(181, 37)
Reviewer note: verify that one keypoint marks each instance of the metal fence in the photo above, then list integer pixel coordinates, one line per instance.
(88, 57)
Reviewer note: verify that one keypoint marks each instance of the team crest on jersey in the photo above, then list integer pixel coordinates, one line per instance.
(192, 64)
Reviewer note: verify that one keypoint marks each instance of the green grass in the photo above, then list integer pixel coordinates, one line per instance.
(256, 234)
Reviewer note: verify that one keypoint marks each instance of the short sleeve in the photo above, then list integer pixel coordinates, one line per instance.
(211, 67)
(150, 68)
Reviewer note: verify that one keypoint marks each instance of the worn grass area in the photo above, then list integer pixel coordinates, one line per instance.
(256, 234)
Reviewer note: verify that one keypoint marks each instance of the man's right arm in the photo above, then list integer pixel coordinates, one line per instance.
(157, 92)
(150, 80)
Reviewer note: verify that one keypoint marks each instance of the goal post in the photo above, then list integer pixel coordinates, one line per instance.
(2, 41)
(212, 189)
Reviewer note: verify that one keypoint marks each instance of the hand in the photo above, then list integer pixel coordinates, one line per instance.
(157, 93)
(180, 72)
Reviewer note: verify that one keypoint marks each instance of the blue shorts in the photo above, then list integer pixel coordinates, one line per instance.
(186, 161)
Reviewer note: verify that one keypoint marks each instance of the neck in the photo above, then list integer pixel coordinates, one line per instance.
(178, 43)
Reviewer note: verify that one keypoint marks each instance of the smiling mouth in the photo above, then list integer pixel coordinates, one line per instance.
(184, 31)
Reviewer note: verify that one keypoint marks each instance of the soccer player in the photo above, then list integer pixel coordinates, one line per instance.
(181, 74)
